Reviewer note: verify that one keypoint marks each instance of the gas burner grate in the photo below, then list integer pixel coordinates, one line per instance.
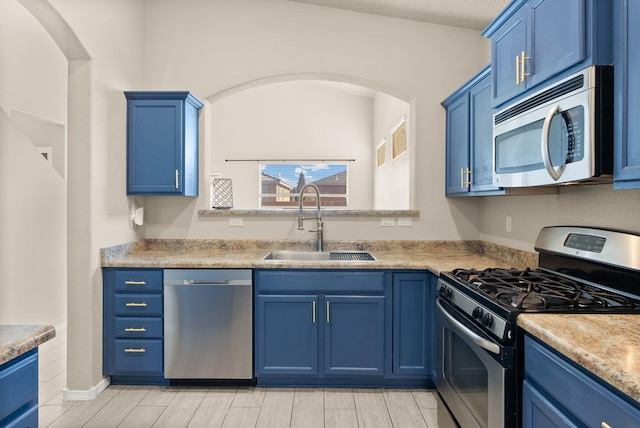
(540, 290)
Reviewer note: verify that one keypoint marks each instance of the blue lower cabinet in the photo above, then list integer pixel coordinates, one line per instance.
(19, 391)
(539, 411)
(559, 393)
(133, 326)
(337, 328)
(287, 334)
(413, 323)
(354, 335)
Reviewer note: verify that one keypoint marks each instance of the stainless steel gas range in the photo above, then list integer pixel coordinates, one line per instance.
(479, 355)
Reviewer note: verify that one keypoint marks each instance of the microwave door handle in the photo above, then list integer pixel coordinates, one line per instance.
(546, 157)
(481, 342)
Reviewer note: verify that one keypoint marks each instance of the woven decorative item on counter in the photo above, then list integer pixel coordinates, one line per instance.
(221, 194)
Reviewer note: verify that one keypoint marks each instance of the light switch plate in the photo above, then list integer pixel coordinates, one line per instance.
(388, 222)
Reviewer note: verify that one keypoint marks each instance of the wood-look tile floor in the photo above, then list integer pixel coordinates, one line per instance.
(174, 407)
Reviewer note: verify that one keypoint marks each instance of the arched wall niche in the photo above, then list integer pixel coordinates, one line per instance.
(235, 129)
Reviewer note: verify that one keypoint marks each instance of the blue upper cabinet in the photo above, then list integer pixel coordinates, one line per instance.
(627, 103)
(470, 138)
(533, 41)
(162, 143)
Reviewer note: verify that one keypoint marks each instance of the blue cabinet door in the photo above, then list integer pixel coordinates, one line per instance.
(627, 102)
(354, 335)
(287, 335)
(481, 136)
(534, 41)
(413, 323)
(557, 38)
(19, 390)
(458, 145)
(507, 46)
(162, 143)
(538, 411)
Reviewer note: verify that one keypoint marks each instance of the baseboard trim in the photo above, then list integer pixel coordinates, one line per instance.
(85, 395)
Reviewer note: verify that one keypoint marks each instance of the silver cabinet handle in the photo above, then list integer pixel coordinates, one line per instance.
(136, 305)
(135, 330)
(177, 179)
(544, 141)
(135, 283)
(313, 315)
(135, 350)
(328, 312)
(605, 425)
(481, 342)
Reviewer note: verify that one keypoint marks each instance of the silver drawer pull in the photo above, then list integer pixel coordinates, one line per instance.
(605, 425)
(134, 329)
(135, 283)
(136, 305)
(135, 350)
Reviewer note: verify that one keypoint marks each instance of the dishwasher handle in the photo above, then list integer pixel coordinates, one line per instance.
(208, 282)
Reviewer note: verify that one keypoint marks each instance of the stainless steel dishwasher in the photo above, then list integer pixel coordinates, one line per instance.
(208, 322)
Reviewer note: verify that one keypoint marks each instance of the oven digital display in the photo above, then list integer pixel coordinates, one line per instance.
(585, 242)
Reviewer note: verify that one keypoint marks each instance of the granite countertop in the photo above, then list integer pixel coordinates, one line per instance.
(435, 256)
(16, 340)
(606, 345)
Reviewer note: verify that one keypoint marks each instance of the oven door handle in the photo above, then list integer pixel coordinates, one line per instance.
(481, 342)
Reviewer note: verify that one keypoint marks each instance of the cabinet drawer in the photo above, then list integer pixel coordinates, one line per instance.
(138, 357)
(26, 419)
(18, 383)
(138, 327)
(138, 280)
(587, 399)
(138, 304)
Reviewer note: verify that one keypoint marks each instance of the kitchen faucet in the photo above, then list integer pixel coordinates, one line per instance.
(319, 230)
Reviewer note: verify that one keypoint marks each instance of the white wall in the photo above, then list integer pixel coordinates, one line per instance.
(290, 120)
(588, 205)
(212, 47)
(112, 32)
(33, 200)
(392, 180)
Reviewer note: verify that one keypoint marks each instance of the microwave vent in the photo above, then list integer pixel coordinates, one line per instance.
(543, 97)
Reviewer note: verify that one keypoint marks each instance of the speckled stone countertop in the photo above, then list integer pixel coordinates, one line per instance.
(435, 256)
(606, 345)
(16, 340)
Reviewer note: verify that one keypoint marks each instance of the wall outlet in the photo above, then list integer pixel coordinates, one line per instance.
(388, 222)
(404, 222)
(507, 225)
(236, 222)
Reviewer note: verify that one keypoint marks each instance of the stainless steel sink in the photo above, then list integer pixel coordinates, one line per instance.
(319, 255)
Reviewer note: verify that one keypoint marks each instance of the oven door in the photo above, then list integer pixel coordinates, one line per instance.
(475, 374)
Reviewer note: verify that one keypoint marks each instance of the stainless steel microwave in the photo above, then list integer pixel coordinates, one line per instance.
(558, 135)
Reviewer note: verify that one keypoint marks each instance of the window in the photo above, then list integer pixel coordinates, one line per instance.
(399, 139)
(382, 151)
(280, 184)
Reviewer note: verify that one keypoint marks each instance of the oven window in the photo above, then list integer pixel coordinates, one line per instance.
(467, 376)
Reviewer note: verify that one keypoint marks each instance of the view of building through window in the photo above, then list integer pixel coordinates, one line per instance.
(280, 184)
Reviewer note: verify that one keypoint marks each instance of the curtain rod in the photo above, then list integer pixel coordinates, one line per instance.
(290, 160)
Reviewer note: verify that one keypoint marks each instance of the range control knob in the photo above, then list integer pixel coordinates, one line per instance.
(477, 313)
(487, 320)
(445, 291)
